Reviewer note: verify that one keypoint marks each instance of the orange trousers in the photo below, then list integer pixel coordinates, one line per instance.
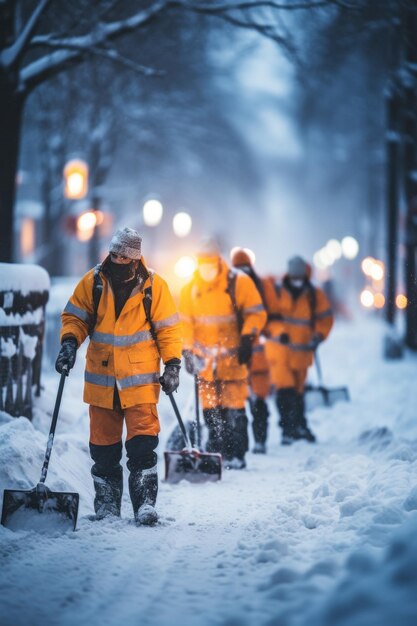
(106, 425)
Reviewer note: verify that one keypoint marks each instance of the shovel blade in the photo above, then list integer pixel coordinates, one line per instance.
(324, 396)
(39, 509)
(196, 467)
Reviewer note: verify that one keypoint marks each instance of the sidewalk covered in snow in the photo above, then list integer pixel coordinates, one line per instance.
(319, 534)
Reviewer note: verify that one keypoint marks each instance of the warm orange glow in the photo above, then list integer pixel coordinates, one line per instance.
(367, 298)
(99, 217)
(367, 265)
(76, 179)
(377, 271)
(401, 301)
(379, 301)
(27, 236)
(86, 224)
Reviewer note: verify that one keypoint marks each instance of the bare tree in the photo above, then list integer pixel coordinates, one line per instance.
(47, 44)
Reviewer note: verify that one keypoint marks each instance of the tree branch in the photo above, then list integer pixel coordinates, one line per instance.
(220, 7)
(76, 48)
(12, 55)
(85, 49)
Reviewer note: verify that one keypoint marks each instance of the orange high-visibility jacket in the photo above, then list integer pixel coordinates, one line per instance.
(300, 318)
(122, 351)
(210, 324)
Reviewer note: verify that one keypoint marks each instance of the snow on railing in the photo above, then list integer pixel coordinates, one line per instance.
(24, 292)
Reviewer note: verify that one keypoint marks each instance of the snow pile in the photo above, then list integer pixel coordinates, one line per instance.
(23, 277)
(377, 591)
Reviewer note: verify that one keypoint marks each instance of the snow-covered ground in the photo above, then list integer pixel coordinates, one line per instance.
(317, 535)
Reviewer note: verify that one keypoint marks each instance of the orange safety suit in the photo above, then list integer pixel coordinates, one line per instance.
(211, 331)
(301, 319)
(122, 352)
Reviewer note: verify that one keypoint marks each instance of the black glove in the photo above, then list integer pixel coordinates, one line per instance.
(193, 363)
(170, 379)
(67, 354)
(244, 352)
(284, 338)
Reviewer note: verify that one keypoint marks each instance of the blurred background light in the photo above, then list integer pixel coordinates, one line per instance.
(182, 224)
(185, 267)
(350, 247)
(152, 212)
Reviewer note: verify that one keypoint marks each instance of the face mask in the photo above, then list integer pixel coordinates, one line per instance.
(121, 272)
(297, 283)
(208, 271)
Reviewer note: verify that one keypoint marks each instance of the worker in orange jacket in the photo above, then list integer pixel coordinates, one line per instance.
(122, 377)
(299, 319)
(222, 315)
(259, 378)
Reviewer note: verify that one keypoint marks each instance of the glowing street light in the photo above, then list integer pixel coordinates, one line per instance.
(379, 301)
(334, 249)
(75, 179)
(367, 265)
(152, 212)
(185, 267)
(86, 224)
(367, 298)
(182, 224)
(401, 301)
(350, 248)
(377, 271)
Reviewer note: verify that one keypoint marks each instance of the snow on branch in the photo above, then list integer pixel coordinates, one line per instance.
(220, 7)
(82, 47)
(76, 48)
(12, 55)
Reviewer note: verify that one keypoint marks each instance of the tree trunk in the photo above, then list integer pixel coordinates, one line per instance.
(392, 176)
(11, 109)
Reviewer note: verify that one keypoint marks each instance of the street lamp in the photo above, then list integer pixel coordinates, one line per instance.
(86, 224)
(75, 179)
(182, 224)
(152, 212)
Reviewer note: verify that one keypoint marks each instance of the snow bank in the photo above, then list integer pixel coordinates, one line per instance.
(376, 591)
(23, 277)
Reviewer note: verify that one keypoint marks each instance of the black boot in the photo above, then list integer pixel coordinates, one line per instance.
(260, 415)
(286, 401)
(302, 430)
(109, 490)
(236, 442)
(214, 422)
(107, 476)
(143, 478)
(143, 489)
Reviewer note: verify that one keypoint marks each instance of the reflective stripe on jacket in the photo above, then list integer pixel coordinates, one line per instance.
(122, 351)
(210, 324)
(299, 317)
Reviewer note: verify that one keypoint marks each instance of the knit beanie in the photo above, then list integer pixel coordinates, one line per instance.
(208, 248)
(239, 257)
(297, 267)
(126, 242)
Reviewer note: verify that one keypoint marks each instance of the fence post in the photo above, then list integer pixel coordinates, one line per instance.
(24, 292)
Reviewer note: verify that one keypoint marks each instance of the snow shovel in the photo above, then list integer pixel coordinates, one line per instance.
(40, 508)
(319, 395)
(190, 464)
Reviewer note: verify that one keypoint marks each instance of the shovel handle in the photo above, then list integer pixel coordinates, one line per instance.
(44, 471)
(318, 368)
(180, 422)
(197, 411)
